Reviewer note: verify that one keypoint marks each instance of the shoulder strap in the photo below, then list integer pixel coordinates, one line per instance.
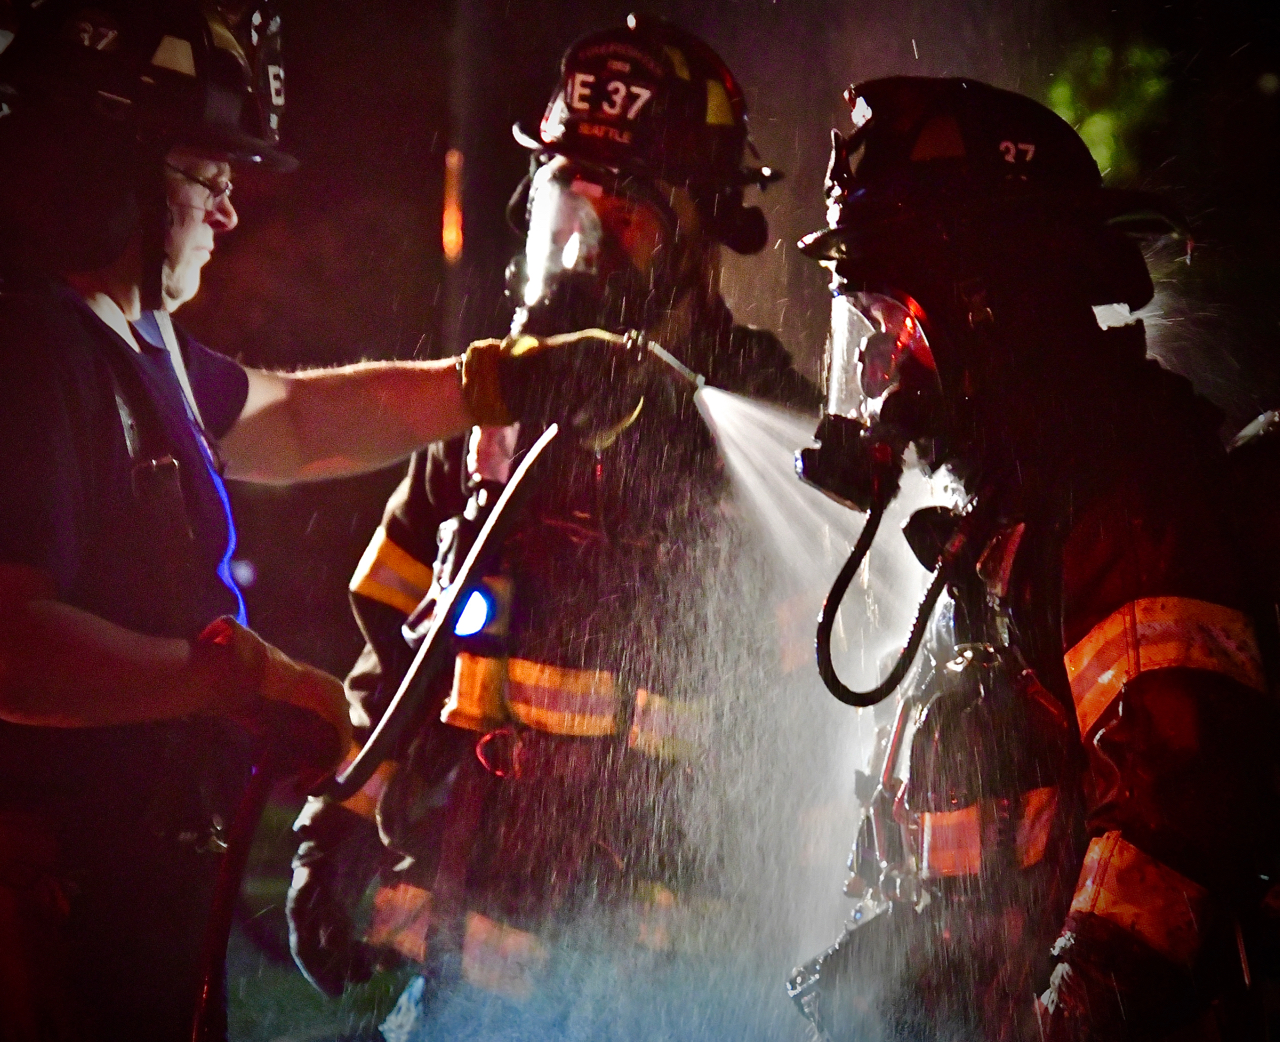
(164, 322)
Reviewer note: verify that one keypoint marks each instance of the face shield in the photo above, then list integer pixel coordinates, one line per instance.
(597, 249)
(877, 349)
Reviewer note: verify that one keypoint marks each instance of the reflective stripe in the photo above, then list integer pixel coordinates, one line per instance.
(953, 842)
(401, 920)
(365, 801)
(1038, 809)
(580, 702)
(663, 727)
(1159, 633)
(475, 703)
(501, 959)
(1123, 885)
(389, 574)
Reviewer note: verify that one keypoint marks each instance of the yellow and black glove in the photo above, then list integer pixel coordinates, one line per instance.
(591, 378)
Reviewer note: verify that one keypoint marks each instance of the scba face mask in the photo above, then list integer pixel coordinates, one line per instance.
(883, 393)
(600, 249)
(878, 348)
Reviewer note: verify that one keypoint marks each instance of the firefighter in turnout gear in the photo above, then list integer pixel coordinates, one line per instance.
(1065, 832)
(545, 778)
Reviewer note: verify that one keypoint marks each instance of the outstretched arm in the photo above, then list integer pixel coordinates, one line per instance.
(335, 422)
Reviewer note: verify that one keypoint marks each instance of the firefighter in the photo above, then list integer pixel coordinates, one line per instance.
(534, 787)
(130, 688)
(1082, 812)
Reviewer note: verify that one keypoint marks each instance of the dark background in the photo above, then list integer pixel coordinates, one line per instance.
(343, 261)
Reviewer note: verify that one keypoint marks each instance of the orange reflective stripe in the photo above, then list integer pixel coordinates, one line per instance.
(578, 702)
(475, 702)
(401, 920)
(1141, 895)
(365, 802)
(663, 727)
(1035, 825)
(952, 842)
(388, 574)
(1159, 633)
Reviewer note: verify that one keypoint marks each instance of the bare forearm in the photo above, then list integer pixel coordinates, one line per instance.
(334, 422)
(63, 667)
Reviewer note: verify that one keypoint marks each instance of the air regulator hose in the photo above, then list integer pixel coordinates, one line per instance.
(831, 607)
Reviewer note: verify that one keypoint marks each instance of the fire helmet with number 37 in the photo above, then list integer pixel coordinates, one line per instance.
(653, 102)
(949, 204)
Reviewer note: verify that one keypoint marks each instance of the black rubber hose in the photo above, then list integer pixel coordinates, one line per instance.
(831, 606)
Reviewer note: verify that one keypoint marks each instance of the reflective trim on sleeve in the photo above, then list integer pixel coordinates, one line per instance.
(475, 702)
(576, 702)
(1039, 806)
(665, 728)
(1159, 633)
(389, 574)
(1161, 907)
(953, 842)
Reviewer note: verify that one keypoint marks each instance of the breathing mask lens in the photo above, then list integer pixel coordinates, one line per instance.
(877, 343)
(580, 226)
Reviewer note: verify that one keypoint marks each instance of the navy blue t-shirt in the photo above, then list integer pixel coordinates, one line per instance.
(67, 500)
(68, 508)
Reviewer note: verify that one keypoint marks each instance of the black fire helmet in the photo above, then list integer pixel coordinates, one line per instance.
(652, 100)
(203, 74)
(93, 96)
(927, 155)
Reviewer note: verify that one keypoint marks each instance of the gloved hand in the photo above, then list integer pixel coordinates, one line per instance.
(1108, 987)
(338, 856)
(591, 378)
(300, 711)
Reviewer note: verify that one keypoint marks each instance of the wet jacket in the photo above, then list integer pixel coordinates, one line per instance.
(1098, 818)
(580, 702)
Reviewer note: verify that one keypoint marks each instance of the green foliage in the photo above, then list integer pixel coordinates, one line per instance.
(1112, 97)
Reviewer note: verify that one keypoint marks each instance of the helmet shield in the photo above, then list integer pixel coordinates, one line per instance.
(597, 240)
(877, 348)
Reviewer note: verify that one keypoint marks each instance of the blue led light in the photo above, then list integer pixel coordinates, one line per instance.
(475, 614)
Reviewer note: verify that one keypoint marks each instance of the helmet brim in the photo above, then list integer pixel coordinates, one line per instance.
(240, 149)
(1141, 214)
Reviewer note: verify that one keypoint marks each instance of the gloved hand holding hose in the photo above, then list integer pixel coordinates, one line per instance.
(592, 378)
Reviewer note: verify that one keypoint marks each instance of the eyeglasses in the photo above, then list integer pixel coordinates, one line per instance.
(218, 190)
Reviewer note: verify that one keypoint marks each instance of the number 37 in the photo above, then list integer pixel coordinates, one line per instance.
(619, 93)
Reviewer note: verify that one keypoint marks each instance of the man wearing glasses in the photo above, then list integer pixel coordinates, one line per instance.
(131, 689)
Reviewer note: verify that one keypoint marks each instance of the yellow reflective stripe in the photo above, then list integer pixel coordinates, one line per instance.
(577, 702)
(952, 842)
(719, 111)
(401, 920)
(475, 702)
(1159, 633)
(663, 727)
(1121, 884)
(388, 574)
